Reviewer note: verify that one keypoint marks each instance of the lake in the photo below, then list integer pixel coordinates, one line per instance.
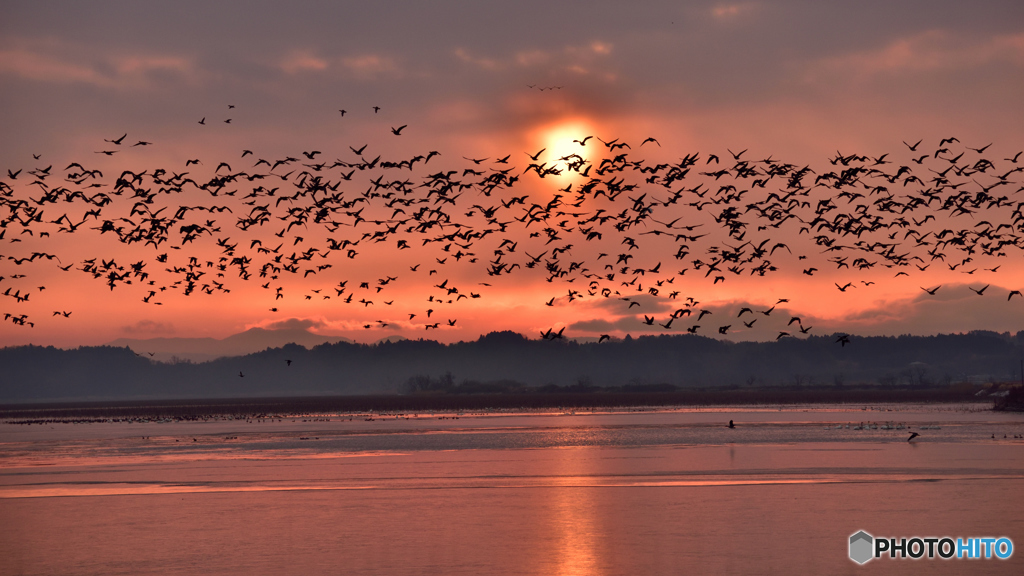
(664, 491)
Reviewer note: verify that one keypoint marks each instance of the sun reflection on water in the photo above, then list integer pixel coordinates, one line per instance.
(573, 516)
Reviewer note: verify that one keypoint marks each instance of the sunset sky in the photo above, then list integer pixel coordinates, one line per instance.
(795, 82)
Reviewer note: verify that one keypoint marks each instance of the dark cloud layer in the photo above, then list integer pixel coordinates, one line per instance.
(69, 65)
(953, 309)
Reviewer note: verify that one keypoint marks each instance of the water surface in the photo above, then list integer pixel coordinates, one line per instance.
(656, 492)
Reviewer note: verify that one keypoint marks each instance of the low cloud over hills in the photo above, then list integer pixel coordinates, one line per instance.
(248, 342)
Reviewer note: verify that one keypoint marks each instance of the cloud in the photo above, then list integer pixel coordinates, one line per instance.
(44, 68)
(933, 50)
(326, 327)
(624, 306)
(730, 11)
(369, 65)
(578, 59)
(531, 58)
(953, 309)
(478, 61)
(302, 61)
(600, 325)
(295, 324)
(148, 327)
(56, 62)
(143, 64)
(361, 65)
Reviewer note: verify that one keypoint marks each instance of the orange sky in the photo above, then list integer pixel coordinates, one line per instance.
(705, 78)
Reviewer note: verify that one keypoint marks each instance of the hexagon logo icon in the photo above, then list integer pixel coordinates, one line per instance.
(861, 544)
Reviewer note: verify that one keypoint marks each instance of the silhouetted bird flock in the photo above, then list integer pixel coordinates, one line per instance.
(607, 233)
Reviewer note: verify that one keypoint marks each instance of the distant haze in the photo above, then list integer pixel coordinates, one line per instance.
(204, 349)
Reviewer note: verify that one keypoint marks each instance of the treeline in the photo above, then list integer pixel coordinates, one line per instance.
(447, 384)
(501, 361)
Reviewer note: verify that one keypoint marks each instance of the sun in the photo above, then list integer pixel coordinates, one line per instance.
(562, 148)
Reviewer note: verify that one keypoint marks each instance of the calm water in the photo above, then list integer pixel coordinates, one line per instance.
(664, 492)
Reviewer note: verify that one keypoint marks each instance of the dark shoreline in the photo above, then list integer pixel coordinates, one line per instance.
(188, 409)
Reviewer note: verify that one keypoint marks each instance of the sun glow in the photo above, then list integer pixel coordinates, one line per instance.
(568, 147)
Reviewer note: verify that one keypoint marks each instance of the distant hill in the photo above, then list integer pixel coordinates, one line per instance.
(205, 349)
(501, 360)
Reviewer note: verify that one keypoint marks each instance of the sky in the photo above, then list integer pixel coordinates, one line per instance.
(789, 82)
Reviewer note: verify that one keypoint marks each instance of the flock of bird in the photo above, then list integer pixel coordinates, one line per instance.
(599, 222)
